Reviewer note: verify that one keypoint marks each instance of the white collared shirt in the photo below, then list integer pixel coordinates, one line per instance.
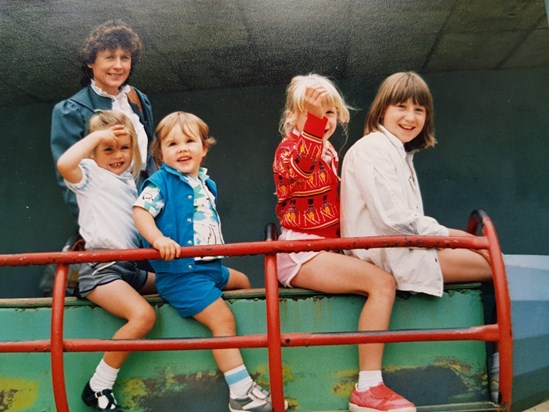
(380, 196)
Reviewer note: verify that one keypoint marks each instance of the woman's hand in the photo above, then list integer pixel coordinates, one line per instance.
(169, 249)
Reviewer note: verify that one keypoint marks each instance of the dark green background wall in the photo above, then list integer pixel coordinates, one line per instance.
(492, 127)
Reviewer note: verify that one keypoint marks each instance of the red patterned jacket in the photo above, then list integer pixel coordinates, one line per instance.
(307, 185)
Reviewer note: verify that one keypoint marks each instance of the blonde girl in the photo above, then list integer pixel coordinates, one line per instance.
(305, 171)
(100, 170)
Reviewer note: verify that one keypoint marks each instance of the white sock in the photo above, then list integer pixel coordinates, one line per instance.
(104, 377)
(367, 379)
(239, 381)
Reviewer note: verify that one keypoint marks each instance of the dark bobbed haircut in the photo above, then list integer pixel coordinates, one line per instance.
(189, 124)
(398, 88)
(110, 35)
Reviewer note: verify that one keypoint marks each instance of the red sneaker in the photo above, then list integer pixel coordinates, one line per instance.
(379, 398)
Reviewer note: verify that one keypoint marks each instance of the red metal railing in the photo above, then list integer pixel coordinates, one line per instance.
(274, 340)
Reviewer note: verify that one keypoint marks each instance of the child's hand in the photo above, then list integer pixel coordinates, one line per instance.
(315, 96)
(482, 252)
(168, 248)
(108, 136)
(68, 163)
(458, 232)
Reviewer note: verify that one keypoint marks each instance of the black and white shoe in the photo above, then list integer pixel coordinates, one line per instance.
(100, 401)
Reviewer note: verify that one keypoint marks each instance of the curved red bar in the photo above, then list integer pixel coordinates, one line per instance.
(274, 339)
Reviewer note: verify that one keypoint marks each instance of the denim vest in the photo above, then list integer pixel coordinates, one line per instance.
(176, 218)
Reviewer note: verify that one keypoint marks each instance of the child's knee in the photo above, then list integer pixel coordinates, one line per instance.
(386, 286)
(144, 317)
(244, 283)
(238, 280)
(225, 325)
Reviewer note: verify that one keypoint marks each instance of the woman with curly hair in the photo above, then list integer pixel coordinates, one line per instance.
(108, 58)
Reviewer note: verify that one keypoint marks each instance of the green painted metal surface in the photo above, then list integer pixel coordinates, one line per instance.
(321, 378)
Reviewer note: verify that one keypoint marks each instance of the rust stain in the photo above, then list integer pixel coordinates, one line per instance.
(17, 395)
(197, 391)
(345, 382)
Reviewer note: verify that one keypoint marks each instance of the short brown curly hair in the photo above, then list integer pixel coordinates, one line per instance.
(110, 35)
(188, 123)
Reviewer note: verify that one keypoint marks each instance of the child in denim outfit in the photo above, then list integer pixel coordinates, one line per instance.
(177, 207)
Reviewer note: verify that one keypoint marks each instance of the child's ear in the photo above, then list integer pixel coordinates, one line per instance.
(290, 116)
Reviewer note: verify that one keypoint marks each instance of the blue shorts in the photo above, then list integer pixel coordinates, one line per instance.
(192, 292)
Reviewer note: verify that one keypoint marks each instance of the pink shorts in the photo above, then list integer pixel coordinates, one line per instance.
(289, 264)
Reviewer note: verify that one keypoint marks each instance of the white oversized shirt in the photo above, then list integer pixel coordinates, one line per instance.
(380, 196)
(105, 201)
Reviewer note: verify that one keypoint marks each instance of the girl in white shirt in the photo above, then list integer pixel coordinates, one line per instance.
(380, 192)
(305, 170)
(97, 168)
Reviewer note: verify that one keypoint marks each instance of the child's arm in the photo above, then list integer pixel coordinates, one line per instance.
(69, 162)
(296, 161)
(144, 222)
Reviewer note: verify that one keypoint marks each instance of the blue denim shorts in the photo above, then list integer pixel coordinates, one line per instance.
(192, 292)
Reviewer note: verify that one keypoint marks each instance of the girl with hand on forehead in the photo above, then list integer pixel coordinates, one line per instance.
(100, 170)
(307, 187)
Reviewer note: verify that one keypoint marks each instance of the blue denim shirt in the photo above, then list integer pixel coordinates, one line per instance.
(176, 219)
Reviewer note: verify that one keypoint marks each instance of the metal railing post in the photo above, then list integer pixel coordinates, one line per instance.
(273, 326)
(503, 304)
(57, 344)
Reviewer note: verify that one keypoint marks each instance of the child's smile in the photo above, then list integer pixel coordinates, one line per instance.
(182, 151)
(405, 120)
(114, 158)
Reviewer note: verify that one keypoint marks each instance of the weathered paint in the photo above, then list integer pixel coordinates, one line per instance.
(17, 394)
(316, 378)
(529, 288)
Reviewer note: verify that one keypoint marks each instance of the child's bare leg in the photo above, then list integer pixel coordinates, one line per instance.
(219, 319)
(244, 393)
(463, 265)
(123, 301)
(149, 287)
(237, 280)
(337, 273)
